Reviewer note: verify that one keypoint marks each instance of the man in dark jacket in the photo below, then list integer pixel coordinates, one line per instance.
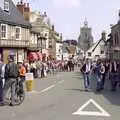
(11, 74)
(86, 70)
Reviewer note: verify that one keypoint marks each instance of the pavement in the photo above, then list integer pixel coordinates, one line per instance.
(62, 97)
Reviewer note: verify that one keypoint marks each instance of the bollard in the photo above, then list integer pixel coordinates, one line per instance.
(29, 82)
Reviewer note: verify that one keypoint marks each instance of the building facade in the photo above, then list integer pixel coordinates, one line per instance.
(113, 46)
(14, 32)
(59, 50)
(85, 39)
(98, 51)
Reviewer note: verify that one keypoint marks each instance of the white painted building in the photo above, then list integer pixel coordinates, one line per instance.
(59, 51)
(97, 51)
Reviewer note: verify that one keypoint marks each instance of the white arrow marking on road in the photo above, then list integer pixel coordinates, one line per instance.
(90, 113)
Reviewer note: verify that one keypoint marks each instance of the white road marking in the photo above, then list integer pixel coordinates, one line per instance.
(58, 75)
(61, 81)
(90, 113)
(46, 89)
(50, 87)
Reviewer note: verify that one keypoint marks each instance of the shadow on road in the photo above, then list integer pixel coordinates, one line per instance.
(112, 97)
(79, 90)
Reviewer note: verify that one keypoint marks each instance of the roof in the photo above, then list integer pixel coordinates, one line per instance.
(13, 17)
(92, 49)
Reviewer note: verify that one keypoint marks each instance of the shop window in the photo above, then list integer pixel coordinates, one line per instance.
(18, 31)
(6, 6)
(4, 31)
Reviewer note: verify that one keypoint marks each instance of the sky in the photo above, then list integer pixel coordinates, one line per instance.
(68, 16)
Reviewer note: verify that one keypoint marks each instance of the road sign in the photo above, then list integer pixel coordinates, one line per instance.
(91, 113)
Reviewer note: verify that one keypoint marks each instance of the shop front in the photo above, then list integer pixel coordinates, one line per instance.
(18, 54)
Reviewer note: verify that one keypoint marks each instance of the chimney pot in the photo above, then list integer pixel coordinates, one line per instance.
(21, 2)
(45, 14)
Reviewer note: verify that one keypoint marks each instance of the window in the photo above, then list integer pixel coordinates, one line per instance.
(3, 31)
(89, 54)
(6, 6)
(102, 52)
(18, 33)
(116, 39)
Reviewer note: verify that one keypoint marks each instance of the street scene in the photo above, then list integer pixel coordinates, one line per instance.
(57, 63)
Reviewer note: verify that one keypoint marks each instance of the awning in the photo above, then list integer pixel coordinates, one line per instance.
(39, 55)
(32, 56)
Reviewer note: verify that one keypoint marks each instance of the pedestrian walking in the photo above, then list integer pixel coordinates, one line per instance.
(2, 71)
(86, 70)
(22, 72)
(11, 75)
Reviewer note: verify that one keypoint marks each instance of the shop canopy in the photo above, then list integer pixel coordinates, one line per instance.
(33, 56)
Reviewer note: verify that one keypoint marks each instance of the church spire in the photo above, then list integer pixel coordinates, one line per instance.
(85, 23)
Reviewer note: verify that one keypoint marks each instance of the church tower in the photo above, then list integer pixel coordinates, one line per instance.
(85, 39)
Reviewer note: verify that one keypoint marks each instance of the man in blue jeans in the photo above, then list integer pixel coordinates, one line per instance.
(86, 70)
(11, 75)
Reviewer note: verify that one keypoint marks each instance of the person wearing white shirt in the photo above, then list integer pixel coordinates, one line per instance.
(86, 70)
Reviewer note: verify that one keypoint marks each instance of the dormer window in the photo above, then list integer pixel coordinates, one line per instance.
(6, 6)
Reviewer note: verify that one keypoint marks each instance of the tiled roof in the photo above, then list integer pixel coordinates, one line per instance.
(13, 17)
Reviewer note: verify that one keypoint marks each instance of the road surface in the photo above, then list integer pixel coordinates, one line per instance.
(62, 97)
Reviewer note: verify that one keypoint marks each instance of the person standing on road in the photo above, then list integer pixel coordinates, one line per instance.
(2, 71)
(113, 75)
(86, 70)
(22, 72)
(11, 75)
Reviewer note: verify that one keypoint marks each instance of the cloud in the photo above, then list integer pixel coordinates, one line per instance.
(66, 4)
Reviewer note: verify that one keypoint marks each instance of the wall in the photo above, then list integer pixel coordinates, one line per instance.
(11, 32)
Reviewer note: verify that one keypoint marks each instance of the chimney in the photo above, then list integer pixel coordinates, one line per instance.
(45, 14)
(104, 35)
(24, 9)
(53, 28)
(27, 12)
(20, 7)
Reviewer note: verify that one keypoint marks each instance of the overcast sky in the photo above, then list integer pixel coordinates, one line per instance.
(69, 15)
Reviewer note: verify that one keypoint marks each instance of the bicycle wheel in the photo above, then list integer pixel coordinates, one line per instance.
(20, 96)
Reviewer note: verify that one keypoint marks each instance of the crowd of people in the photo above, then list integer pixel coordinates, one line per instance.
(10, 72)
(102, 70)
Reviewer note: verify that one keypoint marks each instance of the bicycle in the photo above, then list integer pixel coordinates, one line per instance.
(19, 92)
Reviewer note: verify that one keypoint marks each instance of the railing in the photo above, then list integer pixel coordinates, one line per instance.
(14, 43)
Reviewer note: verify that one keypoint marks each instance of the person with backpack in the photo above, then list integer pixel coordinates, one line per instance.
(11, 75)
(2, 71)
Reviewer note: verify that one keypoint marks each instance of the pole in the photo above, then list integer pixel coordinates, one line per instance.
(41, 44)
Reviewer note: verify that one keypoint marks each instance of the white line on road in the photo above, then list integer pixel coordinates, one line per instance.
(61, 81)
(91, 113)
(46, 89)
(50, 87)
